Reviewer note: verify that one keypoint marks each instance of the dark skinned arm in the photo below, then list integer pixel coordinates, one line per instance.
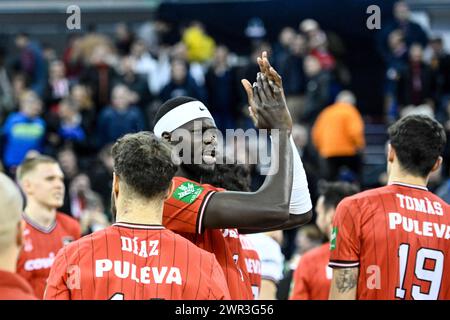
(269, 205)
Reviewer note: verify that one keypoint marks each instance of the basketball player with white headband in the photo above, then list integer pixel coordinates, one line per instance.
(212, 217)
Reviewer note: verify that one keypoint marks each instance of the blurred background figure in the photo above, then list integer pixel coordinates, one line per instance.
(12, 285)
(338, 135)
(312, 276)
(23, 131)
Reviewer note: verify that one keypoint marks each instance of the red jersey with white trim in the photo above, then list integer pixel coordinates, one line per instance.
(253, 264)
(399, 237)
(135, 262)
(312, 278)
(183, 214)
(41, 246)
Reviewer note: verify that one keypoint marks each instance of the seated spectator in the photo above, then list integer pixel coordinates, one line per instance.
(31, 62)
(200, 46)
(119, 118)
(317, 89)
(440, 64)
(417, 82)
(58, 85)
(23, 131)
(101, 173)
(413, 32)
(181, 84)
(123, 38)
(281, 49)
(68, 161)
(338, 135)
(220, 86)
(93, 218)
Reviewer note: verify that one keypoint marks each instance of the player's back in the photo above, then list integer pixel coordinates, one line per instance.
(404, 243)
(128, 261)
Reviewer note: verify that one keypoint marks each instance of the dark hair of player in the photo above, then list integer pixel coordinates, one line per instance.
(232, 177)
(143, 162)
(334, 192)
(418, 141)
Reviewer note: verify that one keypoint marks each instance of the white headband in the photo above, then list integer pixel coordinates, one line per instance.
(180, 115)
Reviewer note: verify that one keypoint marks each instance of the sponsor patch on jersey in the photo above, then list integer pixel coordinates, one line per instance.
(187, 192)
(67, 240)
(333, 238)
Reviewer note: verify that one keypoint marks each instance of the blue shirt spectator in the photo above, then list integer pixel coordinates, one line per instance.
(120, 118)
(23, 131)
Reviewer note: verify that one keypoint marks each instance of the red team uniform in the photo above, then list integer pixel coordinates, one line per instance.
(183, 214)
(132, 261)
(41, 246)
(253, 264)
(399, 237)
(312, 278)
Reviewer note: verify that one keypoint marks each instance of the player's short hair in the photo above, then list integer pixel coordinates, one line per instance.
(418, 141)
(232, 177)
(143, 162)
(30, 164)
(335, 192)
(171, 104)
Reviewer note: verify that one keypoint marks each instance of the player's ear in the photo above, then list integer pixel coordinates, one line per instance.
(391, 153)
(19, 235)
(169, 190)
(115, 186)
(437, 164)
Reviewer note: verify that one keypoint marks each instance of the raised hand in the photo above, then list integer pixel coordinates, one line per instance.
(267, 103)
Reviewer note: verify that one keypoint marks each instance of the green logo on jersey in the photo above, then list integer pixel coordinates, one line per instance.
(187, 192)
(333, 238)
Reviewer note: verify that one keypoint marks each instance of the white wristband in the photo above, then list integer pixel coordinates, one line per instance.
(300, 199)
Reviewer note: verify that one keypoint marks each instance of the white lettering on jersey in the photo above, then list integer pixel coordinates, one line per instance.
(145, 275)
(40, 263)
(425, 228)
(140, 248)
(424, 205)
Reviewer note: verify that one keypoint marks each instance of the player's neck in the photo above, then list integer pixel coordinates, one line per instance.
(402, 177)
(8, 259)
(139, 213)
(41, 215)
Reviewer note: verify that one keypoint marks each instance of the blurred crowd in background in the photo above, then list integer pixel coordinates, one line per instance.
(74, 104)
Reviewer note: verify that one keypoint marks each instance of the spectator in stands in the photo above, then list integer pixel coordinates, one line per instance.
(281, 49)
(68, 161)
(312, 277)
(416, 85)
(119, 118)
(294, 79)
(136, 83)
(100, 74)
(101, 173)
(221, 90)
(338, 135)
(57, 86)
(123, 38)
(181, 83)
(93, 218)
(32, 63)
(440, 65)
(317, 89)
(7, 102)
(200, 46)
(23, 131)
(413, 32)
(395, 66)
